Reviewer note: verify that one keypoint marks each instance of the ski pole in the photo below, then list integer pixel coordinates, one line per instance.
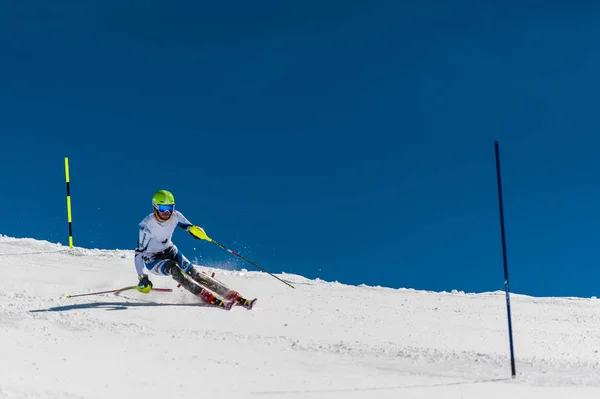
(118, 291)
(199, 233)
(102, 292)
(249, 261)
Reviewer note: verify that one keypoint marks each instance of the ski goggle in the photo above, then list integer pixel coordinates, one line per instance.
(165, 208)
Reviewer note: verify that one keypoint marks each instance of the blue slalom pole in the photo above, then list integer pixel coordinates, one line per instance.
(506, 287)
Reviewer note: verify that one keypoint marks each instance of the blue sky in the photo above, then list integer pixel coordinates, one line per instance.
(346, 140)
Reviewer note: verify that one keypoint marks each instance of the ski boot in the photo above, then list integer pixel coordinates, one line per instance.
(209, 297)
(240, 300)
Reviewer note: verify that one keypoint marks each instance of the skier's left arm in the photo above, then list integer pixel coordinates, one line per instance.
(195, 231)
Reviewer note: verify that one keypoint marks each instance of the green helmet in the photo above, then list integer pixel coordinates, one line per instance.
(163, 203)
(162, 197)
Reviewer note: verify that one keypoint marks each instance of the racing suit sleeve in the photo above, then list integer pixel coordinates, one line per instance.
(143, 240)
(182, 221)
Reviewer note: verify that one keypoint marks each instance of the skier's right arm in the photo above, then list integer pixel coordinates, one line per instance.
(144, 285)
(143, 240)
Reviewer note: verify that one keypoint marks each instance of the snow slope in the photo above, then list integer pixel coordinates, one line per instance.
(320, 340)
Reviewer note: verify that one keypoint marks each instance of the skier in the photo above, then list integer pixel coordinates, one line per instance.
(157, 254)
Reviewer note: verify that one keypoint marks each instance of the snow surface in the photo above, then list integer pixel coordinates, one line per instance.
(320, 340)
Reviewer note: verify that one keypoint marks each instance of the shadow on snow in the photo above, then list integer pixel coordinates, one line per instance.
(116, 306)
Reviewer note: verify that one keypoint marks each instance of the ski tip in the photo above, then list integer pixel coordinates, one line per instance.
(252, 302)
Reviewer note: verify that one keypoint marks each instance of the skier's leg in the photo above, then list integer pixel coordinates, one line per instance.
(170, 267)
(212, 284)
(203, 279)
(183, 262)
(186, 266)
(218, 287)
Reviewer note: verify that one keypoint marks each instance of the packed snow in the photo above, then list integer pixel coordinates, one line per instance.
(319, 340)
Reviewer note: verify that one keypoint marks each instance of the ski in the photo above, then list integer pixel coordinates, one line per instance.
(251, 304)
(247, 304)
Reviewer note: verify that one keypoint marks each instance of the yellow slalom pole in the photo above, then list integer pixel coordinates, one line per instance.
(69, 203)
